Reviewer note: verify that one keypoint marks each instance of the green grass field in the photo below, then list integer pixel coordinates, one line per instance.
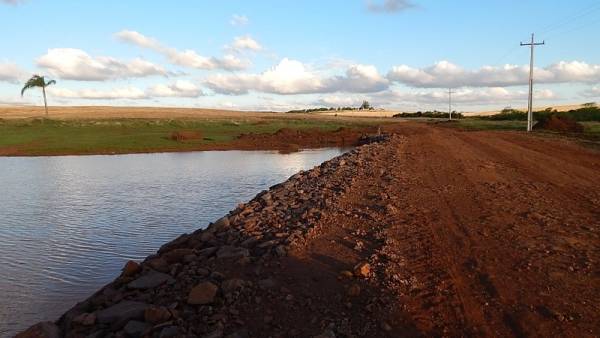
(48, 137)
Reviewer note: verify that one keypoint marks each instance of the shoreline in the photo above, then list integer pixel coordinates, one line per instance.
(430, 232)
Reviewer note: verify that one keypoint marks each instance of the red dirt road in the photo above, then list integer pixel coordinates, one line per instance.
(485, 234)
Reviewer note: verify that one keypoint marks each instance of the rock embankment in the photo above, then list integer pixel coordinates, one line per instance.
(204, 284)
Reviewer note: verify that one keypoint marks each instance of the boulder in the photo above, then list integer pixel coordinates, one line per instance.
(130, 269)
(203, 293)
(232, 252)
(177, 255)
(159, 264)
(135, 328)
(85, 319)
(362, 269)
(220, 225)
(157, 315)
(150, 280)
(232, 285)
(168, 332)
(123, 311)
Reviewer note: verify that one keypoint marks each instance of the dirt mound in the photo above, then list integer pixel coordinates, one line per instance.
(561, 124)
(181, 136)
(290, 140)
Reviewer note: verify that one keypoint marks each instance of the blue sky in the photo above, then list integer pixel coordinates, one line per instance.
(274, 55)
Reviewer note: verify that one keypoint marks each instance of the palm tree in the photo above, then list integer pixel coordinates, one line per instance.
(38, 81)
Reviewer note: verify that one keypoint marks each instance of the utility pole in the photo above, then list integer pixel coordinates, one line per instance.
(450, 92)
(532, 45)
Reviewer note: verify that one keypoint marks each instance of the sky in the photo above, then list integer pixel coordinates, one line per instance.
(283, 55)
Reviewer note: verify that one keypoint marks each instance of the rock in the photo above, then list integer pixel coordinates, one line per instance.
(159, 264)
(281, 251)
(189, 258)
(217, 276)
(215, 334)
(203, 293)
(268, 283)
(386, 327)
(150, 280)
(97, 334)
(130, 269)
(41, 330)
(177, 255)
(207, 236)
(346, 274)
(85, 319)
(250, 242)
(135, 328)
(354, 290)
(125, 310)
(239, 334)
(176, 243)
(169, 331)
(232, 252)
(268, 244)
(207, 252)
(326, 334)
(232, 285)
(221, 224)
(157, 315)
(362, 269)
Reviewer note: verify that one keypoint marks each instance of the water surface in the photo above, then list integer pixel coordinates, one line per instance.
(69, 223)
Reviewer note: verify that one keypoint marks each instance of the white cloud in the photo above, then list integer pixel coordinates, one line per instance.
(448, 75)
(468, 96)
(75, 64)
(244, 43)
(180, 88)
(186, 58)
(10, 72)
(288, 77)
(340, 101)
(293, 77)
(358, 79)
(239, 20)
(95, 94)
(138, 39)
(389, 6)
(592, 92)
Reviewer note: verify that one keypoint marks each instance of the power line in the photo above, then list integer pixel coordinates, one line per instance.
(561, 23)
(532, 45)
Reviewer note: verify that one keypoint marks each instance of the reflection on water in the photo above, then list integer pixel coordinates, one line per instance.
(69, 223)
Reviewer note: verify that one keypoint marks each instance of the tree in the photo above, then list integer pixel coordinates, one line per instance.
(38, 81)
(365, 105)
(589, 105)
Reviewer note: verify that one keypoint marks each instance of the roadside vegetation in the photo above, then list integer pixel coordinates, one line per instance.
(364, 106)
(588, 116)
(587, 112)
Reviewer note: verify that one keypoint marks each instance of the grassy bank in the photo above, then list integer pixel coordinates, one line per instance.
(108, 136)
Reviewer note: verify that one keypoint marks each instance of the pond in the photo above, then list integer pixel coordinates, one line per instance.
(68, 224)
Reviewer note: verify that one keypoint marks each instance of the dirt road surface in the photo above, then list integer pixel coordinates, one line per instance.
(436, 232)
